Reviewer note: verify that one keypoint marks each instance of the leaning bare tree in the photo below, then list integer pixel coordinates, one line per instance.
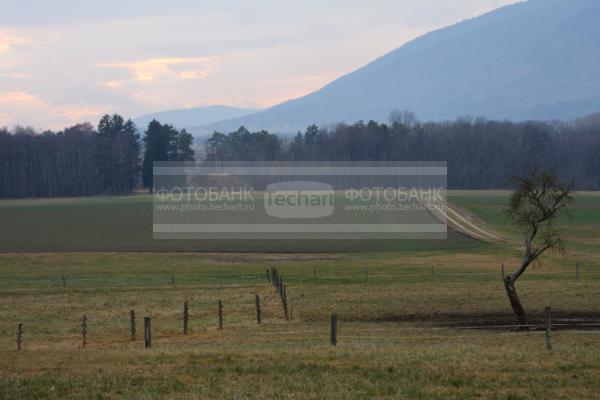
(538, 199)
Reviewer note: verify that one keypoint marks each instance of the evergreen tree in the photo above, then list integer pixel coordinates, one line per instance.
(164, 143)
(118, 154)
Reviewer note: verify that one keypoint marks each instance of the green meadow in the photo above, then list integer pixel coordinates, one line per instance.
(430, 321)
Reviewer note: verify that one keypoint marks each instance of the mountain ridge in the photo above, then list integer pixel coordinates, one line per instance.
(193, 117)
(538, 59)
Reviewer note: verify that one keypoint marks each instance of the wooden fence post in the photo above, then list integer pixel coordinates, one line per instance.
(280, 288)
(220, 314)
(548, 315)
(503, 273)
(148, 332)
(258, 321)
(185, 318)
(268, 276)
(84, 329)
(284, 291)
(333, 332)
(19, 336)
(132, 324)
(577, 270)
(315, 277)
(64, 280)
(274, 277)
(284, 302)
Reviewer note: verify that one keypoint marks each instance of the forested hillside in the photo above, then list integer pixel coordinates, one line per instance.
(83, 161)
(480, 154)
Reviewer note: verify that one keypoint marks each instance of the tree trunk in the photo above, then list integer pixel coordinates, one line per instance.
(515, 303)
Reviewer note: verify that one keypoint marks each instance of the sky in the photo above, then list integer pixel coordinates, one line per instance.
(68, 61)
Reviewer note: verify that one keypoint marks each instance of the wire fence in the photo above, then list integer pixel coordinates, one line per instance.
(348, 331)
(285, 332)
(363, 275)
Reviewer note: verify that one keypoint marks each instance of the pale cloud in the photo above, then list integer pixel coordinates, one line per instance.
(17, 98)
(9, 40)
(165, 68)
(193, 74)
(16, 106)
(16, 75)
(73, 114)
(141, 95)
(4, 120)
(114, 84)
(20, 46)
(10, 43)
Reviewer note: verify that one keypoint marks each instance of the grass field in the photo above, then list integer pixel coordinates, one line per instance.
(404, 335)
(125, 224)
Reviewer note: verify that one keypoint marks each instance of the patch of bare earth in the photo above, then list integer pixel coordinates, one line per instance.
(561, 320)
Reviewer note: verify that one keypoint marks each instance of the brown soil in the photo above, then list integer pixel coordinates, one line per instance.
(497, 321)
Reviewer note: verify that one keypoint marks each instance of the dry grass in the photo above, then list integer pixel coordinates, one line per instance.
(392, 343)
(400, 337)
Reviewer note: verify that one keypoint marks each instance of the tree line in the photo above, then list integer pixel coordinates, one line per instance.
(480, 154)
(114, 158)
(84, 161)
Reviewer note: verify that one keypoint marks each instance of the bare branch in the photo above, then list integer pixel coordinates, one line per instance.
(538, 199)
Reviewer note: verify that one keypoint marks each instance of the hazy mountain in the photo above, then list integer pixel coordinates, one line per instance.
(590, 120)
(193, 117)
(538, 59)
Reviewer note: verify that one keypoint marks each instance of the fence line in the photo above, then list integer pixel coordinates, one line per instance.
(274, 277)
(354, 332)
(292, 279)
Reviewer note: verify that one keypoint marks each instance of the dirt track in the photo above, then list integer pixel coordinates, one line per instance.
(456, 220)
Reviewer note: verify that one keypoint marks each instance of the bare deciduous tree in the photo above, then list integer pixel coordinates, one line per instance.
(538, 199)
